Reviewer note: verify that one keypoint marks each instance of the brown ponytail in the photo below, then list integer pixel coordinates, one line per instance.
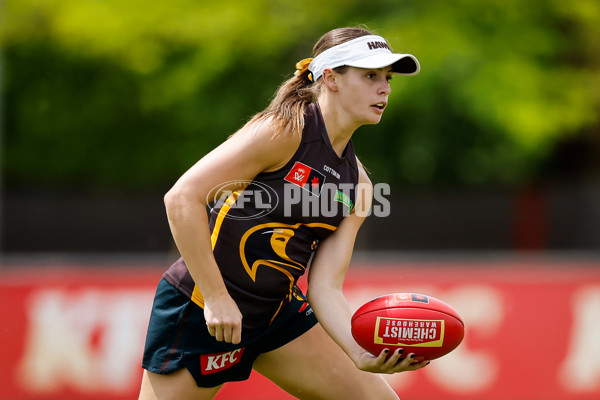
(287, 106)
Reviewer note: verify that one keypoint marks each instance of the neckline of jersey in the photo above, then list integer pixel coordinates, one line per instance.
(326, 140)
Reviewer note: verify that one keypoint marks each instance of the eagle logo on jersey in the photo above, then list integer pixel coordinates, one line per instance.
(275, 238)
(276, 257)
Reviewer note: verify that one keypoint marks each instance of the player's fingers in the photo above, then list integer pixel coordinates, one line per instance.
(406, 362)
(236, 335)
(382, 356)
(395, 357)
(409, 364)
(211, 329)
(232, 332)
(227, 333)
(416, 366)
(219, 335)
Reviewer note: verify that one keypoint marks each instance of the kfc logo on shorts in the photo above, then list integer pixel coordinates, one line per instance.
(217, 362)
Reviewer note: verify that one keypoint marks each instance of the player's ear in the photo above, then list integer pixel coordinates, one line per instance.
(329, 79)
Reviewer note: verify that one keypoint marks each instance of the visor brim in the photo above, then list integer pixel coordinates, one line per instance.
(405, 64)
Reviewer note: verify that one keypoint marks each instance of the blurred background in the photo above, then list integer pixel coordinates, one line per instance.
(492, 153)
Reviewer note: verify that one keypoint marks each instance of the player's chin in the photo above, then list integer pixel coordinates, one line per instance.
(373, 121)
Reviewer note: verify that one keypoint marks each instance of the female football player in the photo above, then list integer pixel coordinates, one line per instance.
(285, 191)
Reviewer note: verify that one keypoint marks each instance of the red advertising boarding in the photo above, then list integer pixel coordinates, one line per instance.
(532, 330)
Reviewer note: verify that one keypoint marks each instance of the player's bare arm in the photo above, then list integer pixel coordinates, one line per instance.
(326, 278)
(251, 150)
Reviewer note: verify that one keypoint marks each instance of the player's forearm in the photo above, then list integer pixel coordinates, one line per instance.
(189, 226)
(334, 315)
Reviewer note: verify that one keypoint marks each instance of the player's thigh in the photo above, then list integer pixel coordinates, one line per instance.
(178, 385)
(313, 366)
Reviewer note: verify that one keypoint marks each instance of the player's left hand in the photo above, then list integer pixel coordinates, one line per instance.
(386, 363)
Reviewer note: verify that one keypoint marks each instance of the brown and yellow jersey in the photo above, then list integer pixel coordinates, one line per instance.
(264, 235)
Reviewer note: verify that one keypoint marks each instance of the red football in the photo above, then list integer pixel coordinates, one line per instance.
(417, 323)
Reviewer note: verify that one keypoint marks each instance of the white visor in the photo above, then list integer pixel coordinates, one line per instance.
(370, 51)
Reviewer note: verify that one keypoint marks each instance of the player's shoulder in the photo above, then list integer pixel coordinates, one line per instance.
(363, 174)
(266, 140)
(364, 192)
(265, 132)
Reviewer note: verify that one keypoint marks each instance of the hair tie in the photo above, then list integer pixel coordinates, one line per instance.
(302, 67)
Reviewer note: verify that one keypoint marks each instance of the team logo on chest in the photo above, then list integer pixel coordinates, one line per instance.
(306, 177)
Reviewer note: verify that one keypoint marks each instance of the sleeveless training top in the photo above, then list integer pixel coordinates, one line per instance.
(264, 235)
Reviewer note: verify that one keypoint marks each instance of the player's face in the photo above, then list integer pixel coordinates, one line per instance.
(364, 93)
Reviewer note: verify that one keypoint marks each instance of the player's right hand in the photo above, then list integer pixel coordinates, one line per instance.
(224, 320)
